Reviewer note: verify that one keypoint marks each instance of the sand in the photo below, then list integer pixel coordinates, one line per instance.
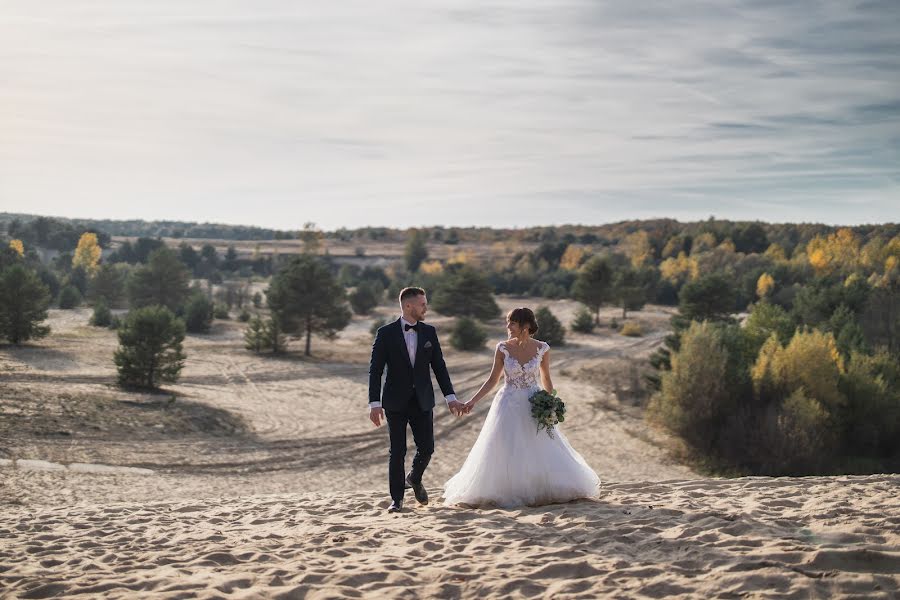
(750, 537)
(257, 477)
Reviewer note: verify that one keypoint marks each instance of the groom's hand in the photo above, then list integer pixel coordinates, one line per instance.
(376, 415)
(456, 407)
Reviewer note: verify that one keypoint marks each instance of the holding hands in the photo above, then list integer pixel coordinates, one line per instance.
(460, 409)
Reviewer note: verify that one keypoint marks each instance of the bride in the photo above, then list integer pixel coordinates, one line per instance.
(511, 463)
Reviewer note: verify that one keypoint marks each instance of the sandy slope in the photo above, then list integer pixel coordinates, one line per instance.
(266, 479)
(752, 537)
(244, 424)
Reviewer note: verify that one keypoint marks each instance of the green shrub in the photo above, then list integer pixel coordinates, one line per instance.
(102, 316)
(584, 321)
(376, 325)
(365, 297)
(69, 297)
(244, 316)
(264, 334)
(198, 313)
(694, 399)
(467, 335)
(221, 311)
(550, 329)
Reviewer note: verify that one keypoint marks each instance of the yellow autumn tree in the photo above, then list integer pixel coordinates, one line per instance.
(702, 242)
(764, 285)
(87, 254)
(680, 269)
(776, 252)
(727, 246)
(636, 246)
(18, 247)
(837, 251)
(810, 361)
(572, 257)
(463, 257)
(431, 267)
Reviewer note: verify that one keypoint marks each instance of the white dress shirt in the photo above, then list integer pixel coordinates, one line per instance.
(412, 343)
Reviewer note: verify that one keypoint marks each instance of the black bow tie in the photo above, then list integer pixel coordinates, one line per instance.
(407, 327)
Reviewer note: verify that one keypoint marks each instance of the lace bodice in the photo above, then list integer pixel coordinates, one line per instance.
(521, 376)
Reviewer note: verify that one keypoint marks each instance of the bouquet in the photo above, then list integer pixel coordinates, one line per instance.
(547, 409)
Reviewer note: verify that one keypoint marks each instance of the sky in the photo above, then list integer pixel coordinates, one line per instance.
(456, 112)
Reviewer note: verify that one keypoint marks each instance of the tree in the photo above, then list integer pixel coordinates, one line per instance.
(695, 399)
(150, 349)
(231, 258)
(163, 281)
(264, 333)
(23, 305)
(255, 334)
(637, 248)
(584, 320)
(102, 316)
(108, 285)
(69, 297)
(306, 297)
(764, 285)
(416, 252)
(18, 247)
(710, 298)
(629, 289)
(189, 256)
(766, 319)
(87, 253)
(465, 292)
(593, 285)
(198, 313)
(467, 335)
(550, 329)
(365, 297)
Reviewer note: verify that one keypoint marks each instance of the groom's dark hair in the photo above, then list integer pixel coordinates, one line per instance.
(410, 292)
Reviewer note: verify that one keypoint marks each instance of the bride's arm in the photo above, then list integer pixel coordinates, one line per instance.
(493, 378)
(545, 372)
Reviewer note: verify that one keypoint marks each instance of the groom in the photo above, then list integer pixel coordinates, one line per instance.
(408, 347)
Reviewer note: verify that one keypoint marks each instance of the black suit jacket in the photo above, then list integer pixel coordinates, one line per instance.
(403, 379)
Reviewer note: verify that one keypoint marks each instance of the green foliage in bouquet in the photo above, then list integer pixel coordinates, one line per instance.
(548, 410)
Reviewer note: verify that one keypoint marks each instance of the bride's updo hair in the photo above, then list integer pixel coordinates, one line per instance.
(523, 317)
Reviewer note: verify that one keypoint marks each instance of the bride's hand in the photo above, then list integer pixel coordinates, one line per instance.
(469, 406)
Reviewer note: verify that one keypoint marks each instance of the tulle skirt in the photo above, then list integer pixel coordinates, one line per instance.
(512, 464)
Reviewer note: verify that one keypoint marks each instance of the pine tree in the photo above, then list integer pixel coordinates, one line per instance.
(150, 349)
(305, 297)
(416, 252)
(464, 292)
(593, 285)
(163, 281)
(550, 329)
(23, 305)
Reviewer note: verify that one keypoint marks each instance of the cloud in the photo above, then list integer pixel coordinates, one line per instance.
(354, 113)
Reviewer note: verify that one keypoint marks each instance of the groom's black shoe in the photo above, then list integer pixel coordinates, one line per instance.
(419, 490)
(396, 506)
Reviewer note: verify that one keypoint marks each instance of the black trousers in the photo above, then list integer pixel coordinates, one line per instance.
(422, 426)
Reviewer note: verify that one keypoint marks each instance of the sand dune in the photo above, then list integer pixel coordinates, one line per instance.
(259, 477)
(750, 537)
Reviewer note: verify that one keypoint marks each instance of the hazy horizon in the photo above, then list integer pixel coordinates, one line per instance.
(501, 114)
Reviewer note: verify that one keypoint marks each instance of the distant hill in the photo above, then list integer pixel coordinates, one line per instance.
(659, 230)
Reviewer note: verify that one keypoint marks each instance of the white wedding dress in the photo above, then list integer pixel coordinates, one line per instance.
(511, 463)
